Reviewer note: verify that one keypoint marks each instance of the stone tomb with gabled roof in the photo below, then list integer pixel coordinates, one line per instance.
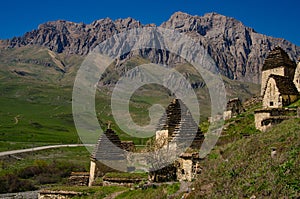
(280, 91)
(109, 150)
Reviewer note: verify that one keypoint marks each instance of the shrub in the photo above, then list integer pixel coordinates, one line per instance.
(12, 183)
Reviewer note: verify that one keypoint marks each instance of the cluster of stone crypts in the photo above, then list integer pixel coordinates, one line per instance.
(180, 130)
(279, 88)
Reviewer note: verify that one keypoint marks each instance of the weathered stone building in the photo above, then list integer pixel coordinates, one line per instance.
(266, 118)
(234, 107)
(79, 179)
(280, 91)
(277, 86)
(178, 127)
(109, 150)
(277, 62)
(188, 166)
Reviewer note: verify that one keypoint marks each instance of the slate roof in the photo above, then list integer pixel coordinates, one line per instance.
(285, 85)
(108, 147)
(181, 126)
(277, 58)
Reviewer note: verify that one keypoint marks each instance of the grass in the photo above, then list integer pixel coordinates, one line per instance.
(127, 175)
(76, 155)
(91, 192)
(295, 104)
(238, 127)
(36, 115)
(245, 168)
(162, 191)
(35, 170)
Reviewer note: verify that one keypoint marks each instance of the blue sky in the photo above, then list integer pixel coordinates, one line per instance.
(276, 18)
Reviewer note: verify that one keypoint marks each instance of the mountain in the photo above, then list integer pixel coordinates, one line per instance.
(238, 50)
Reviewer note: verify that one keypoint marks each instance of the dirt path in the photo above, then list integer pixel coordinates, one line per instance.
(184, 188)
(17, 119)
(21, 195)
(4, 153)
(113, 195)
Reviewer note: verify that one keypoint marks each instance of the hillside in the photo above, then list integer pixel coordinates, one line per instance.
(244, 168)
(36, 94)
(240, 167)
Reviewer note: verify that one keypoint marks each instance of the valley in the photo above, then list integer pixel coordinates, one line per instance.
(37, 74)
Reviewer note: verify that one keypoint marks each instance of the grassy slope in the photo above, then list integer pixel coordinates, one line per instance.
(36, 108)
(244, 168)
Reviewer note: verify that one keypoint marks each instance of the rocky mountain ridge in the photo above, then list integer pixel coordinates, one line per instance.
(238, 51)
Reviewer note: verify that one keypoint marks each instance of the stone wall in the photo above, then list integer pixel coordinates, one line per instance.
(99, 169)
(297, 77)
(93, 169)
(227, 115)
(266, 118)
(164, 174)
(271, 96)
(234, 107)
(128, 146)
(253, 101)
(265, 75)
(120, 181)
(188, 166)
(48, 194)
(184, 169)
(161, 137)
(79, 179)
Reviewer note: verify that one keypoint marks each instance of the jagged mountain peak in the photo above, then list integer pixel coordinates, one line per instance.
(188, 23)
(238, 50)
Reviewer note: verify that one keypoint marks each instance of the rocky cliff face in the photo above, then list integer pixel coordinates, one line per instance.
(238, 50)
(72, 38)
